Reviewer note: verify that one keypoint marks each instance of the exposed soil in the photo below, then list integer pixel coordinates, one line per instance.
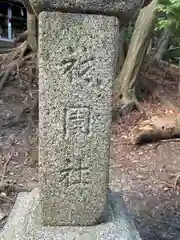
(144, 174)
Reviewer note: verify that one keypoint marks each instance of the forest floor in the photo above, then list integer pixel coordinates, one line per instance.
(144, 174)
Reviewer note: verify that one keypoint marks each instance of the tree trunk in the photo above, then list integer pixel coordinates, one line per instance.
(139, 43)
(162, 44)
(149, 50)
(32, 31)
(31, 25)
(29, 7)
(121, 54)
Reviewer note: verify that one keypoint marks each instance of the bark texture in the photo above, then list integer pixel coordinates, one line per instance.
(32, 31)
(127, 79)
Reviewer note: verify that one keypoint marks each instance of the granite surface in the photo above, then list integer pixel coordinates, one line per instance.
(24, 223)
(77, 66)
(121, 8)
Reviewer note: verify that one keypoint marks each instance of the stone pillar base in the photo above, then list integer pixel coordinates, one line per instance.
(24, 223)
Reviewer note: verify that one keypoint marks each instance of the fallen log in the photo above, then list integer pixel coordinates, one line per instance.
(156, 129)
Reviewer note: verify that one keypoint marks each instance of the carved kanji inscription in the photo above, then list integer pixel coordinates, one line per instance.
(76, 121)
(78, 68)
(76, 175)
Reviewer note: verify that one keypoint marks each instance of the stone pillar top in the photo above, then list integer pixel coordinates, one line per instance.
(120, 8)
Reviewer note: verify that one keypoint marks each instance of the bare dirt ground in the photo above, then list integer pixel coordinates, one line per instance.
(144, 174)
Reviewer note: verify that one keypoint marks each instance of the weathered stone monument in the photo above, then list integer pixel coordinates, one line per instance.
(77, 65)
(76, 68)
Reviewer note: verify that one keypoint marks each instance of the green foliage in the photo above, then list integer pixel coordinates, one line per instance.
(169, 16)
(129, 31)
(169, 19)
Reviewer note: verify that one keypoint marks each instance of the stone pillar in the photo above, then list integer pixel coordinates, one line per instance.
(77, 65)
(123, 9)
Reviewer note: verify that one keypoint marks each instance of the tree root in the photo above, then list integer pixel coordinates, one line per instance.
(123, 109)
(126, 105)
(4, 198)
(127, 108)
(19, 53)
(30, 113)
(21, 38)
(8, 189)
(5, 167)
(17, 50)
(22, 55)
